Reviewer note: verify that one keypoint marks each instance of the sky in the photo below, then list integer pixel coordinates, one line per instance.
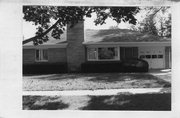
(29, 29)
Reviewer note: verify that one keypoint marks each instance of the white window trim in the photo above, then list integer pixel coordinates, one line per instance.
(95, 54)
(97, 59)
(40, 50)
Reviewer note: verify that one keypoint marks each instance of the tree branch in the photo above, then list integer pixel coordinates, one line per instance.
(41, 35)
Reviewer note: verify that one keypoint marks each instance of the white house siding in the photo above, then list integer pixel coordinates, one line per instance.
(168, 57)
(55, 55)
(28, 56)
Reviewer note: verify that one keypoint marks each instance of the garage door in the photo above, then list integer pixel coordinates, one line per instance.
(153, 55)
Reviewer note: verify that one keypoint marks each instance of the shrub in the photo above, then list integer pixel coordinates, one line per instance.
(135, 65)
(131, 65)
(101, 66)
(44, 68)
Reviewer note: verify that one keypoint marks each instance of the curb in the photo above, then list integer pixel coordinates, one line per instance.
(99, 92)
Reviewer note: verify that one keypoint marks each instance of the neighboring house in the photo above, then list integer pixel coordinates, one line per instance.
(77, 46)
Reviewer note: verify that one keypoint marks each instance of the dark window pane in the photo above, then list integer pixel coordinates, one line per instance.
(142, 56)
(128, 53)
(37, 55)
(154, 56)
(148, 56)
(45, 54)
(135, 52)
(107, 53)
(41, 55)
(160, 56)
(92, 53)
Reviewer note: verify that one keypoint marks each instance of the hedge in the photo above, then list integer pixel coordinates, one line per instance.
(133, 65)
(44, 68)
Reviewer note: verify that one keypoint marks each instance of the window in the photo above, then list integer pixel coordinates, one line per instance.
(42, 55)
(154, 56)
(107, 53)
(148, 56)
(103, 53)
(142, 56)
(92, 53)
(160, 56)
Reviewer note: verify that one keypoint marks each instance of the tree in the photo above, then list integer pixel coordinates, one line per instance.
(165, 27)
(154, 22)
(43, 16)
(114, 27)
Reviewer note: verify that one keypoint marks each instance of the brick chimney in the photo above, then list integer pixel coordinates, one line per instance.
(75, 48)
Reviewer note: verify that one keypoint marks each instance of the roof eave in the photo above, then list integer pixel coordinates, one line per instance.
(168, 43)
(64, 45)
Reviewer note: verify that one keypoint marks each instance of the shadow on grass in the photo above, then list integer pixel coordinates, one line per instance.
(42, 103)
(158, 102)
(122, 101)
(130, 76)
(109, 77)
(55, 76)
(106, 77)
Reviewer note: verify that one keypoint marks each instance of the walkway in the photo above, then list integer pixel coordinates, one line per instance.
(99, 92)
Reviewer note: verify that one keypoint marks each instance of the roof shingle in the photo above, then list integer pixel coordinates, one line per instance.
(109, 35)
(120, 35)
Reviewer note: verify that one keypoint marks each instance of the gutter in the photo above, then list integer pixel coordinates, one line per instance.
(128, 43)
(64, 45)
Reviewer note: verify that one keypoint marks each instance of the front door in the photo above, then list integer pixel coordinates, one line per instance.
(128, 53)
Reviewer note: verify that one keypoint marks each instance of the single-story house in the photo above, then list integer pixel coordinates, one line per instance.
(77, 46)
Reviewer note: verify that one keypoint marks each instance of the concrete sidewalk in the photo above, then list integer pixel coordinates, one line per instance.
(160, 71)
(99, 92)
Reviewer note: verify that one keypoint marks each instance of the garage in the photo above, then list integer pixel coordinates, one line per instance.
(154, 55)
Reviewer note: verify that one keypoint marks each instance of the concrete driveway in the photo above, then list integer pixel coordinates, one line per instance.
(163, 73)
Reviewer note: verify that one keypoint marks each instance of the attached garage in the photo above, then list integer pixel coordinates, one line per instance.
(154, 55)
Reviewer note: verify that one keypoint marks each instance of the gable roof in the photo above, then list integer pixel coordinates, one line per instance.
(108, 35)
(120, 35)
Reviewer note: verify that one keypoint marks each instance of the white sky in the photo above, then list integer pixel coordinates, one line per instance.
(89, 24)
(29, 29)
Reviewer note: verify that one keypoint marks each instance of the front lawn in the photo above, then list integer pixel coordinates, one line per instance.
(122, 101)
(94, 81)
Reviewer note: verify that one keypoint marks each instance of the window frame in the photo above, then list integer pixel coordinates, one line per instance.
(97, 53)
(40, 51)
